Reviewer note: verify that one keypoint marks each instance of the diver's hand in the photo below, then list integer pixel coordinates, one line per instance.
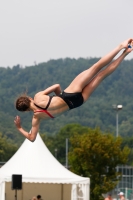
(17, 122)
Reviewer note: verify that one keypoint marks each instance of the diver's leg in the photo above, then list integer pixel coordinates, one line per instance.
(95, 82)
(78, 84)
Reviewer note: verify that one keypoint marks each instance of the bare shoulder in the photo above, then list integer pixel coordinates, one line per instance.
(38, 93)
(40, 96)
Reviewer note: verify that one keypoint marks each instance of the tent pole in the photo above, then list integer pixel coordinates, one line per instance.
(67, 153)
(61, 191)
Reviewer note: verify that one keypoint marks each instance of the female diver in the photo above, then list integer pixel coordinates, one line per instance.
(44, 106)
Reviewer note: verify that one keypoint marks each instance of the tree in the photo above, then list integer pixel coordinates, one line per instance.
(96, 155)
(58, 142)
(7, 148)
(128, 141)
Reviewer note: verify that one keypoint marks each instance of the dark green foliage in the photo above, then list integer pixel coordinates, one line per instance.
(58, 142)
(96, 155)
(92, 154)
(128, 141)
(97, 111)
(7, 148)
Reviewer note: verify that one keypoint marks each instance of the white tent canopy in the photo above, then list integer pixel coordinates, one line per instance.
(37, 165)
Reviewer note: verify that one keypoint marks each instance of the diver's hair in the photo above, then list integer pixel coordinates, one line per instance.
(23, 103)
(38, 196)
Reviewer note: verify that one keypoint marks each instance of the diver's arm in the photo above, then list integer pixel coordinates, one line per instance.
(34, 130)
(54, 88)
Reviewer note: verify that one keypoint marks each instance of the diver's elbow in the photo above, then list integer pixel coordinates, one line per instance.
(32, 139)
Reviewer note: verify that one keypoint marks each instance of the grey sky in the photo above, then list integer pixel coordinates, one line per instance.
(39, 30)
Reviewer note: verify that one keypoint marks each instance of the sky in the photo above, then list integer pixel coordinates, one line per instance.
(35, 31)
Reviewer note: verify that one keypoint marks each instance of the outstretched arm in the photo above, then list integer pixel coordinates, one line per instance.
(34, 130)
(54, 88)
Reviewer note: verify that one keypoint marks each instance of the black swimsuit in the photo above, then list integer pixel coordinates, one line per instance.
(73, 100)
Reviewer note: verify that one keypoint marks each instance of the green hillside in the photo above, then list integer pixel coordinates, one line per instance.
(98, 111)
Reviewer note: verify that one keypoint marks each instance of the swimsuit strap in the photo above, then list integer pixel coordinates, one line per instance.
(50, 98)
(45, 111)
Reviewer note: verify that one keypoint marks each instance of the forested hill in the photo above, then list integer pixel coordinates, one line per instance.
(97, 111)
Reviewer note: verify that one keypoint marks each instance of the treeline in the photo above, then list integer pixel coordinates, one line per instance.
(91, 153)
(57, 143)
(97, 112)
